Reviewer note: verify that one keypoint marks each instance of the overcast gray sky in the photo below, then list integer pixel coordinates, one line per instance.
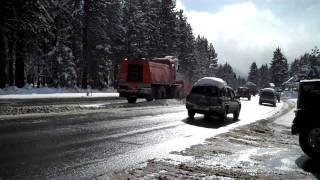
(247, 31)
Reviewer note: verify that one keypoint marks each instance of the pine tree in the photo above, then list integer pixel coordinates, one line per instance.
(279, 68)
(264, 76)
(202, 56)
(185, 47)
(253, 73)
(226, 73)
(167, 24)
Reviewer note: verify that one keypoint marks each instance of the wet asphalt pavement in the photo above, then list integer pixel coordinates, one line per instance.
(97, 144)
(85, 145)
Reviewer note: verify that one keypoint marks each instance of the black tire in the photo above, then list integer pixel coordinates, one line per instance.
(161, 93)
(191, 114)
(131, 100)
(223, 116)
(177, 94)
(157, 93)
(274, 104)
(249, 98)
(236, 115)
(149, 99)
(309, 143)
(260, 102)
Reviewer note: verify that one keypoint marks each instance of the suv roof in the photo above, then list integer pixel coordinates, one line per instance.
(311, 80)
(268, 90)
(211, 81)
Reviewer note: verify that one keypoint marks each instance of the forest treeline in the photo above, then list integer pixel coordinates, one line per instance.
(68, 43)
(279, 71)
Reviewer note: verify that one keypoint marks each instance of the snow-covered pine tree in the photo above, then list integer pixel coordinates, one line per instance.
(264, 76)
(185, 46)
(213, 61)
(294, 67)
(167, 24)
(229, 75)
(226, 73)
(201, 50)
(279, 68)
(253, 73)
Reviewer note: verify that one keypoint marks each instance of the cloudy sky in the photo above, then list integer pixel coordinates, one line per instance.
(246, 31)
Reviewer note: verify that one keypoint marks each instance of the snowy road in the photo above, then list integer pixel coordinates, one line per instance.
(96, 144)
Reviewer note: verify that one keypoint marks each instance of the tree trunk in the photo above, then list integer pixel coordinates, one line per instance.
(85, 51)
(12, 58)
(3, 60)
(19, 71)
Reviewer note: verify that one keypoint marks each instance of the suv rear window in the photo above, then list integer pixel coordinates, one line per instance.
(309, 95)
(267, 94)
(205, 90)
(243, 90)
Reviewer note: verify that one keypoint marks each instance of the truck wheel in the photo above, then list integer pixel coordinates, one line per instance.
(149, 99)
(177, 93)
(260, 102)
(131, 100)
(162, 92)
(249, 98)
(309, 140)
(191, 114)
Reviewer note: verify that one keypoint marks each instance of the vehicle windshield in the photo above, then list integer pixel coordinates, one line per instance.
(205, 90)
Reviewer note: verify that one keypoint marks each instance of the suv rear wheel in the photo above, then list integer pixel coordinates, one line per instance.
(191, 114)
(236, 115)
(223, 116)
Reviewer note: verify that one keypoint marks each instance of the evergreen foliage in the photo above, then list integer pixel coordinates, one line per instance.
(264, 76)
(253, 73)
(307, 66)
(77, 43)
(279, 68)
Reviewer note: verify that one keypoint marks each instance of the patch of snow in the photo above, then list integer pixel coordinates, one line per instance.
(29, 92)
(211, 81)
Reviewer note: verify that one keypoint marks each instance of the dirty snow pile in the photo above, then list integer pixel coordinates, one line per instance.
(30, 92)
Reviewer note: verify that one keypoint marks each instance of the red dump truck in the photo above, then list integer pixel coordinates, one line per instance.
(150, 79)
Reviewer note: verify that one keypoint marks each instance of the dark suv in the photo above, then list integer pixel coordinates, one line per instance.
(306, 122)
(268, 95)
(243, 92)
(212, 96)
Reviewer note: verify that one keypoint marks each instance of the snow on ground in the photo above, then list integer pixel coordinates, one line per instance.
(252, 111)
(286, 120)
(196, 132)
(29, 92)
